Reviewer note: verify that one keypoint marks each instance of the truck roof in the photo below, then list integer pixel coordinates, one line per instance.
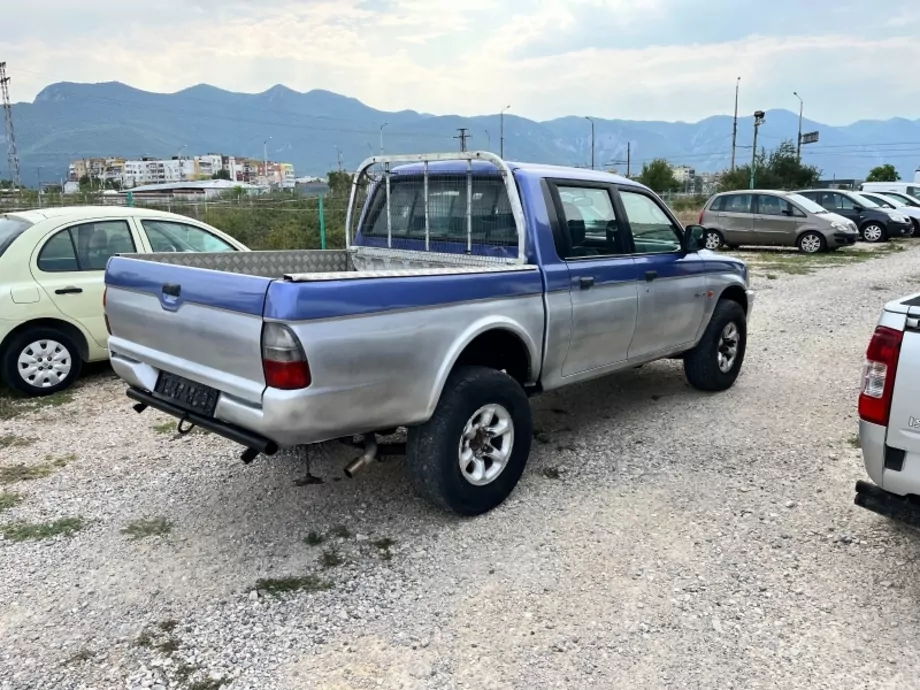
(539, 170)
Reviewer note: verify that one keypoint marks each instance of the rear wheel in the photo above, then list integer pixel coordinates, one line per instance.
(470, 455)
(41, 361)
(714, 240)
(874, 232)
(812, 243)
(715, 362)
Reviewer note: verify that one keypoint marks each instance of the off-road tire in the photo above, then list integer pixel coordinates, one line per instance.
(701, 364)
(432, 453)
(9, 361)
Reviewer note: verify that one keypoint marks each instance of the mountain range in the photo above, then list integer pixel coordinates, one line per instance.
(70, 120)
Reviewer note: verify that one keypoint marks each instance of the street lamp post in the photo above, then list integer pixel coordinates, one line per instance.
(489, 139)
(798, 145)
(501, 139)
(381, 136)
(265, 158)
(758, 120)
(592, 140)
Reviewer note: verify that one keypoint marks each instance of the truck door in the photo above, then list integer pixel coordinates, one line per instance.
(602, 275)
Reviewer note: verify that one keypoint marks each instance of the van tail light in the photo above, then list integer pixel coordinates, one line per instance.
(878, 375)
(105, 294)
(283, 359)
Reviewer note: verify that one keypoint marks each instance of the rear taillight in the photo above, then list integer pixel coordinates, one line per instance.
(878, 375)
(700, 220)
(105, 294)
(283, 359)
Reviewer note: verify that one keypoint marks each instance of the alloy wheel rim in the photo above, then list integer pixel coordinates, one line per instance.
(713, 241)
(811, 244)
(729, 341)
(486, 444)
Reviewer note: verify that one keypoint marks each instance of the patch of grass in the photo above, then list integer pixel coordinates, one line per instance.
(12, 404)
(384, 545)
(771, 276)
(26, 531)
(79, 657)
(168, 626)
(166, 427)
(9, 499)
(551, 472)
(340, 531)
(854, 441)
(331, 558)
(208, 684)
(184, 671)
(11, 441)
(24, 473)
(156, 527)
(145, 639)
(314, 539)
(283, 585)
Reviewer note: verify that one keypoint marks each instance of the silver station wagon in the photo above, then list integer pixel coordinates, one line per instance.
(773, 218)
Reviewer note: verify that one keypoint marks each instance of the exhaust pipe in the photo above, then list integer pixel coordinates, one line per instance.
(370, 452)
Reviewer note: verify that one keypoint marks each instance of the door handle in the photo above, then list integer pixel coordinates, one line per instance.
(586, 282)
(650, 276)
(68, 291)
(172, 290)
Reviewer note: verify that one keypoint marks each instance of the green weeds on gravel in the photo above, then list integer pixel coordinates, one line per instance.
(854, 441)
(283, 585)
(331, 558)
(24, 473)
(383, 546)
(79, 657)
(208, 684)
(340, 531)
(28, 531)
(11, 441)
(138, 529)
(9, 499)
(314, 539)
(792, 262)
(13, 404)
(166, 427)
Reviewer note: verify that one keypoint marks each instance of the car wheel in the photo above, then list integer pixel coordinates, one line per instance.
(470, 455)
(873, 232)
(41, 361)
(812, 243)
(715, 362)
(714, 240)
(914, 228)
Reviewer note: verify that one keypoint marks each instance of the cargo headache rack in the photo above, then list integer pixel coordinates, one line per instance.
(458, 208)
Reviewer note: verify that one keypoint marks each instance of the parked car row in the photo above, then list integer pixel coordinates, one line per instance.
(813, 220)
(52, 264)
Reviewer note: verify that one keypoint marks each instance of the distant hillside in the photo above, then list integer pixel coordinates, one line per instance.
(69, 120)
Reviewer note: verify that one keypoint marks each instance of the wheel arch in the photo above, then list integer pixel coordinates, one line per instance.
(67, 328)
(736, 293)
(498, 344)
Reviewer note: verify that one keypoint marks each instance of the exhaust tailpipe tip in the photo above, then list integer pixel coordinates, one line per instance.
(370, 452)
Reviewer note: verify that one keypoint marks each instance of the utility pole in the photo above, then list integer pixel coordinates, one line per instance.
(265, 160)
(381, 136)
(758, 120)
(628, 156)
(592, 140)
(463, 136)
(798, 144)
(501, 118)
(735, 125)
(338, 153)
(39, 186)
(489, 139)
(12, 155)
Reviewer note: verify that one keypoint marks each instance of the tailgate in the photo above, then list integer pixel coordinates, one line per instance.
(201, 324)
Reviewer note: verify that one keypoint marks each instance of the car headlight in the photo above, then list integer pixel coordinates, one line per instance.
(840, 227)
(898, 218)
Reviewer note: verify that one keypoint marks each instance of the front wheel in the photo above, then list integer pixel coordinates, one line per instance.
(812, 243)
(874, 232)
(470, 455)
(715, 362)
(40, 362)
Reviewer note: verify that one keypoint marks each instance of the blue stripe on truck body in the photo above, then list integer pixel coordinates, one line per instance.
(327, 299)
(236, 292)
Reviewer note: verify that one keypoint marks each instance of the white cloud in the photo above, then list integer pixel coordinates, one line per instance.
(611, 58)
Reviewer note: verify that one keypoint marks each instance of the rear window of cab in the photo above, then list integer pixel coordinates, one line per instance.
(11, 228)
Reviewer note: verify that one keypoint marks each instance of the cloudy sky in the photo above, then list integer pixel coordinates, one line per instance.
(635, 59)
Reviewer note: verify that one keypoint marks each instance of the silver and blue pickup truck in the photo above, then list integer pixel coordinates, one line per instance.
(467, 285)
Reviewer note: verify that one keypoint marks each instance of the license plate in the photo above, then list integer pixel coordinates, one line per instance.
(193, 396)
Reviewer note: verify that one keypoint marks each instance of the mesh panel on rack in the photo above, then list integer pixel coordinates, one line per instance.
(466, 214)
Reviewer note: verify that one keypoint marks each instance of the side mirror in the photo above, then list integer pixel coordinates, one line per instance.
(787, 211)
(694, 238)
(858, 209)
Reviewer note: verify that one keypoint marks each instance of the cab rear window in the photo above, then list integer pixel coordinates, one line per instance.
(11, 228)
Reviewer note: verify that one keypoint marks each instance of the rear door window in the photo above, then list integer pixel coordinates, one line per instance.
(738, 203)
(85, 247)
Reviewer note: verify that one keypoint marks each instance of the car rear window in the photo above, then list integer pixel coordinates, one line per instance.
(717, 203)
(11, 228)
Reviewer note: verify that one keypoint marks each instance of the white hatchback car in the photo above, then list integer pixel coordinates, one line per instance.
(52, 272)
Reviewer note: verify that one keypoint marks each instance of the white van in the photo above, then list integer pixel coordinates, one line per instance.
(911, 188)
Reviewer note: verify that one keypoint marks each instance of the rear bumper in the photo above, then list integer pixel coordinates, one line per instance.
(882, 502)
(893, 471)
(229, 431)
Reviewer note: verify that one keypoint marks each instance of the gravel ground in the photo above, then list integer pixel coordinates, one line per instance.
(660, 538)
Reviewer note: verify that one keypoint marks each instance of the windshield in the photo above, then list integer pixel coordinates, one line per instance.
(863, 201)
(805, 203)
(902, 198)
(882, 201)
(11, 228)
